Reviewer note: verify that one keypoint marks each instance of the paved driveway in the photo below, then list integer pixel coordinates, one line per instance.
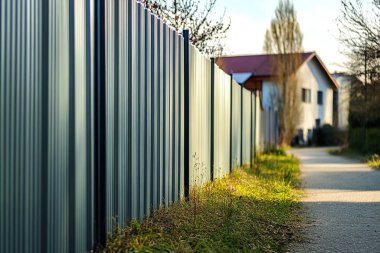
(342, 201)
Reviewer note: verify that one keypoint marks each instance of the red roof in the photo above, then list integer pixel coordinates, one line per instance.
(261, 65)
(258, 65)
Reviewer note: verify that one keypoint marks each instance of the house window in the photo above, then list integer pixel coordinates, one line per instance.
(320, 97)
(306, 96)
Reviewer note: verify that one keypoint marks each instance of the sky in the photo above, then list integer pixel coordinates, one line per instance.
(318, 22)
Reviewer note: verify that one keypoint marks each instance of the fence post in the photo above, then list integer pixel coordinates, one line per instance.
(231, 111)
(255, 127)
(100, 125)
(241, 125)
(212, 119)
(250, 132)
(44, 124)
(186, 73)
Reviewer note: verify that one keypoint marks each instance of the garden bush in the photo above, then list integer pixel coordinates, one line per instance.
(367, 141)
(328, 135)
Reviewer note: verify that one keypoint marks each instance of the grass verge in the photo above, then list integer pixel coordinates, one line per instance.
(346, 152)
(252, 210)
(372, 160)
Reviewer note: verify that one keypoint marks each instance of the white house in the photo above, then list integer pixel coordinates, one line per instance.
(316, 86)
(343, 98)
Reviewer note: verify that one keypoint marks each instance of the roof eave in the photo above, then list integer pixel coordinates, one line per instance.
(334, 83)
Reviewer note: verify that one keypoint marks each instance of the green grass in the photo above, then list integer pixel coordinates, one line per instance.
(346, 152)
(372, 160)
(252, 210)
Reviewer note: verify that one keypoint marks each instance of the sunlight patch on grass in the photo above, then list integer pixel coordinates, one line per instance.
(346, 152)
(373, 161)
(255, 210)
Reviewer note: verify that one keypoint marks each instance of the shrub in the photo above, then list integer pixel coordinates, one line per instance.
(328, 135)
(374, 161)
(274, 150)
(367, 141)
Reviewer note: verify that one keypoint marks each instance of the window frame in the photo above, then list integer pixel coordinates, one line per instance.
(306, 95)
(320, 97)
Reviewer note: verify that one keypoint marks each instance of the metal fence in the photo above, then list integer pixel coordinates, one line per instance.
(45, 126)
(200, 118)
(236, 125)
(247, 128)
(144, 78)
(221, 127)
(93, 120)
(269, 134)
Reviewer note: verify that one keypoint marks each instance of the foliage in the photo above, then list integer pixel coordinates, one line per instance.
(207, 30)
(327, 135)
(284, 38)
(359, 27)
(252, 210)
(373, 161)
(284, 35)
(367, 141)
(273, 150)
(346, 152)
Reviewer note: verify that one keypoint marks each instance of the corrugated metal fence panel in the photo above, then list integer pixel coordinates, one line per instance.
(222, 117)
(236, 125)
(246, 128)
(258, 125)
(253, 125)
(269, 128)
(20, 129)
(122, 77)
(82, 109)
(200, 117)
(47, 108)
(45, 126)
(69, 176)
(144, 66)
(262, 130)
(111, 99)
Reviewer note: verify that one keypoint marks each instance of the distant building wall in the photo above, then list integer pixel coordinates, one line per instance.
(343, 100)
(311, 77)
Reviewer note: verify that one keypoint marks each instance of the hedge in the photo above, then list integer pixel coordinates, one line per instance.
(367, 141)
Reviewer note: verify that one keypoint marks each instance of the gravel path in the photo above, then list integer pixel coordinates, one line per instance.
(342, 202)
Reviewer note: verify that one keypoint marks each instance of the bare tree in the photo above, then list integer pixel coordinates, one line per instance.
(284, 39)
(207, 30)
(359, 27)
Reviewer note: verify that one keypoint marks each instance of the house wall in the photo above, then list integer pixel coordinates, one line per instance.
(343, 100)
(269, 94)
(310, 76)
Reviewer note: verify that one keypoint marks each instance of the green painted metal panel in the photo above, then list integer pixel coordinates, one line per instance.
(144, 108)
(236, 125)
(45, 126)
(222, 118)
(200, 117)
(246, 127)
